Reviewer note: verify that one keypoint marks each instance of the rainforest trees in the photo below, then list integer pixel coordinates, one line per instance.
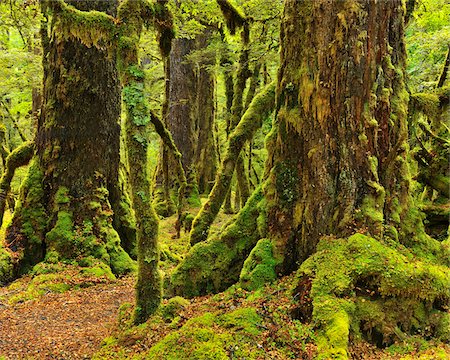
(337, 202)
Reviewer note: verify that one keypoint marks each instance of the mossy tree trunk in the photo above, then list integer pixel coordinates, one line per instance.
(205, 150)
(181, 114)
(337, 168)
(338, 162)
(65, 202)
(190, 119)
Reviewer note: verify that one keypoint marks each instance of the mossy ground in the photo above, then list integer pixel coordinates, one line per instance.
(234, 324)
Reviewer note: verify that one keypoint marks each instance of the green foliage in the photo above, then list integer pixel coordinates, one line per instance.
(427, 43)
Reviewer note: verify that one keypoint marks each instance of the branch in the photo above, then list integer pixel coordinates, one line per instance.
(17, 158)
(14, 120)
(443, 76)
(167, 139)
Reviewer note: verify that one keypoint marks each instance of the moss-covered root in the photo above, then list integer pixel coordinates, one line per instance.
(259, 108)
(19, 157)
(214, 265)
(259, 267)
(362, 287)
(25, 234)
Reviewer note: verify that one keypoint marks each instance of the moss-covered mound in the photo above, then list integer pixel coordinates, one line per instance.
(363, 288)
(212, 337)
(215, 265)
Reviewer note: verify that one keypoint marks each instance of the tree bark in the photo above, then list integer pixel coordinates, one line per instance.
(75, 169)
(205, 150)
(337, 202)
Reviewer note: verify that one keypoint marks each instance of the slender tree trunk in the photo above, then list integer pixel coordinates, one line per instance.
(205, 150)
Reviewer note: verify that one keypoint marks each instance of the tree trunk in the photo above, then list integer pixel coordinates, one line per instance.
(181, 115)
(205, 150)
(65, 201)
(337, 197)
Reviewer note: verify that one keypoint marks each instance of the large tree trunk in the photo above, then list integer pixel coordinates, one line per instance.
(65, 206)
(337, 198)
(338, 160)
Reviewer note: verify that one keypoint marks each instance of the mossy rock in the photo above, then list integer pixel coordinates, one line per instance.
(173, 307)
(363, 286)
(211, 337)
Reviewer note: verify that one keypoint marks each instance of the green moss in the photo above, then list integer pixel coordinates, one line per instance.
(360, 284)
(60, 237)
(6, 267)
(211, 337)
(42, 284)
(259, 267)
(216, 264)
(120, 261)
(62, 196)
(98, 270)
(173, 307)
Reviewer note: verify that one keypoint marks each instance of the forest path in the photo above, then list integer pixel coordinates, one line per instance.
(70, 325)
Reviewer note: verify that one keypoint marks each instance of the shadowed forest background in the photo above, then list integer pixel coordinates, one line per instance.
(224, 179)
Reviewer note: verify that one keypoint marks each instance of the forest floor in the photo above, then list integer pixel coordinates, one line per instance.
(89, 318)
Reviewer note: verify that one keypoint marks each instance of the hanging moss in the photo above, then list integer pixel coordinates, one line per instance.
(93, 28)
(234, 17)
(364, 287)
(164, 23)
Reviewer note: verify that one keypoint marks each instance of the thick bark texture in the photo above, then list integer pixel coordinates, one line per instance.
(338, 159)
(337, 200)
(65, 202)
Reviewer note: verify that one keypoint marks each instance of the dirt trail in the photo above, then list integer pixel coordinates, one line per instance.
(62, 326)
